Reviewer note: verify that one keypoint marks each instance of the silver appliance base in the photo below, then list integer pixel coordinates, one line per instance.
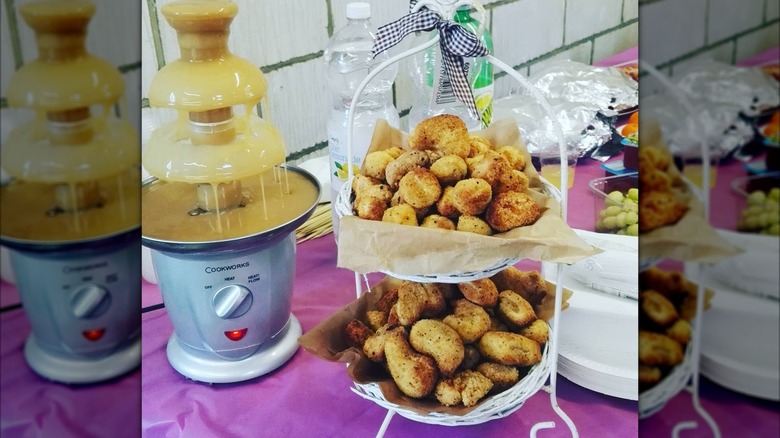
(78, 369)
(209, 368)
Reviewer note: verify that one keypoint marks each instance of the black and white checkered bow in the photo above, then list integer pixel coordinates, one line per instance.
(456, 43)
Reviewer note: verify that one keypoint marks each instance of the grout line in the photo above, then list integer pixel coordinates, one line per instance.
(623, 11)
(292, 61)
(154, 22)
(13, 33)
(707, 22)
(565, 13)
(3, 102)
(129, 67)
(306, 151)
(329, 27)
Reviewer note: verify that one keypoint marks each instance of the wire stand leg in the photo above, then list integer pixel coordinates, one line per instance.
(385, 424)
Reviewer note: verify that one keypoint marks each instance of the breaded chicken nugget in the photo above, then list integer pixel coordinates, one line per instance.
(502, 376)
(515, 310)
(375, 164)
(680, 331)
(376, 319)
(357, 333)
(437, 221)
(659, 158)
(514, 156)
(362, 182)
(537, 330)
(403, 164)
(471, 162)
(479, 145)
(648, 376)
(473, 224)
(467, 387)
(374, 345)
(657, 308)
(395, 151)
(471, 196)
(387, 301)
(439, 341)
(652, 179)
(529, 285)
(371, 202)
(415, 374)
(418, 300)
(402, 214)
(419, 188)
(449, 169)
(509, 349)
(482, 292)
(444, 132)
(510, 210)
(469, 320)
(514, 181)
(659, 209)
(445, 205)
(657, 349)
(492, 168)
(471, 357)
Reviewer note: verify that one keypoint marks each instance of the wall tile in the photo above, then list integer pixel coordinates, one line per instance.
(630, 9)
(616, 42)
(758, 41)
(579, 53)
(536, 25)
(131, 110)
(772, 9)
(723, 53)
(148, 53)
(727, 17)
(587, 17)
(670, 28)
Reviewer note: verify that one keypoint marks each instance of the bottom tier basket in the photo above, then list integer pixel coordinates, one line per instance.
(492, 408)
(655, 398)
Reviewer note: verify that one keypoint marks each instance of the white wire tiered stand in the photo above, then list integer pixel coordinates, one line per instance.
(509, 401)
(685, 375)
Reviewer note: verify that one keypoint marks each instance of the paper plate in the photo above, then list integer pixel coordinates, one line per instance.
(598, 347)
(740, 343)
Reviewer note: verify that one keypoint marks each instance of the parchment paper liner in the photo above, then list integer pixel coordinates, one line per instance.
(371, 246)
(692, 238)
(327, 341)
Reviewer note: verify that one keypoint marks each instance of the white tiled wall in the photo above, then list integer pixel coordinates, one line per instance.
(286, 39)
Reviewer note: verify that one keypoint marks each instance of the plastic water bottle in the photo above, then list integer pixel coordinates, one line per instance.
(349, 61)
(425, 75)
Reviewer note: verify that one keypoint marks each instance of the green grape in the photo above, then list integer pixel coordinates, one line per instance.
(771, 205)
(629, 201)
(756, 198)
(613, 210)
(616, 196)
(633, 194)
(631, 218)
(633, 230)
(621, 219)
(610, 222)
(774, 229)
(775, 194)
(621, 232)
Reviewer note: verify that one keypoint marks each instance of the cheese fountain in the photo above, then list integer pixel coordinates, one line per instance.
(220, 211)
(70, 214)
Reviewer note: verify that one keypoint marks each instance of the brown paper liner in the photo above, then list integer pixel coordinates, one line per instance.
(370, 246)
(328, 341)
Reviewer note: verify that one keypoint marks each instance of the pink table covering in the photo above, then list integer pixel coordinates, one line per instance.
(620, 58)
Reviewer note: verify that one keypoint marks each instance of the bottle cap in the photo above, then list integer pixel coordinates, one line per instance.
(358, 10)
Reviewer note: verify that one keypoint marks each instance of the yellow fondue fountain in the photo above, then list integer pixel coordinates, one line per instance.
(221, 210)
(71, 211)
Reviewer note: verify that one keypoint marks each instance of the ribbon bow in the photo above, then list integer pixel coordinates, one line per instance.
(455, 42)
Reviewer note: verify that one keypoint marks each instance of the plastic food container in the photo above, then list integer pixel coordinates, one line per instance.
(759, 212)
(625, 214)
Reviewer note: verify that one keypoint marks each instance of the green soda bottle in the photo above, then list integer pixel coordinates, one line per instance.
(480, 70)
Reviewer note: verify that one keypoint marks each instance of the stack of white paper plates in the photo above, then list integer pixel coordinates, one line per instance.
(598, 340)
(740, 342)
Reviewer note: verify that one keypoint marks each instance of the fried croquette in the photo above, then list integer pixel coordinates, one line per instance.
(648, 376)
(471, 196)
(657, 349)
(418, 300)
(529, 285)
(537, 330)
(376, 319)
(471, 321)
(375, 164)
(509, 349)
(492, 168)
(437, 221)
(473, 224)
(658, 158)
(515, 310)
(419, 188)
(402, 214)
(659, 209)
(445, 205)
(374, 345)
(502, 376)
(439, 341)
(395, 151)
(471, 162)
(680, 331)
(360, 183)
(371, 201)
(510, 210)
(357, 333)
(482, 292)
(652, 179)
(479, 145)
(449, 169)
(467, 387)
(444, 132)
(407, 161)
(514, 181)
(387, 301)
(415, 374)
(657, 308)
(514, 156)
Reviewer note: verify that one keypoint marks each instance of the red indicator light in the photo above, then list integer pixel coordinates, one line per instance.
(94, 334)
(235, 335)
